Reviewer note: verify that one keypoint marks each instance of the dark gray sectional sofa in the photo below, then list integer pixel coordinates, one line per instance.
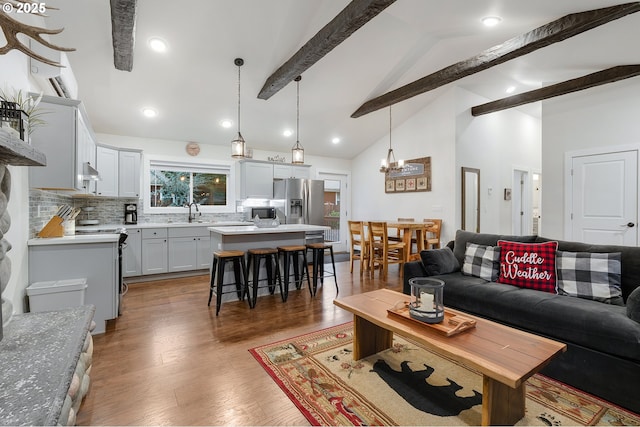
(603, 342)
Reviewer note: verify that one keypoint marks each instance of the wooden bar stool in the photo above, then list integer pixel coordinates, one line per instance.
(217, 269)
(270, 256)
(318, 250)
(291, 254)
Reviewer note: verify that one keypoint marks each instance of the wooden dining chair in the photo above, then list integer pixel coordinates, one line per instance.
(383, 251)
(432, 234)
(359, 248)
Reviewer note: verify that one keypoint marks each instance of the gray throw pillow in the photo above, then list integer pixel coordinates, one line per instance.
(439, 261)
(633, 305)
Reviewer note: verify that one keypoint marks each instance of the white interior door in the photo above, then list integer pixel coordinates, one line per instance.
(519, 203)
(335, 215)
(605, 198)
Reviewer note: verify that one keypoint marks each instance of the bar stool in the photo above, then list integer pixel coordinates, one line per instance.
(291, 253)
(317, 250)
(270, 256)
(219, 260)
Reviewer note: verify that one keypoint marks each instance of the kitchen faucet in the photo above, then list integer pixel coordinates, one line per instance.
(192, 216)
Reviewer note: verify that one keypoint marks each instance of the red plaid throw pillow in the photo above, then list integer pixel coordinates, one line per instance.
(528, 265)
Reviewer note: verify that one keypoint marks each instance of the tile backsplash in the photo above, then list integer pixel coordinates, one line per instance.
(44, 204)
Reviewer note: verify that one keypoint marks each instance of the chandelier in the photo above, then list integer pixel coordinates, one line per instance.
(238, 145)
(389, 164)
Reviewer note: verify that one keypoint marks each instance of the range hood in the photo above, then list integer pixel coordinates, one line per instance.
(89, 173)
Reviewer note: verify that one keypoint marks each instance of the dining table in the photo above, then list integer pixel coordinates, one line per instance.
(407, 229)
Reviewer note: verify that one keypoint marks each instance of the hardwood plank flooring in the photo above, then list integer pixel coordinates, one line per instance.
(168, 360)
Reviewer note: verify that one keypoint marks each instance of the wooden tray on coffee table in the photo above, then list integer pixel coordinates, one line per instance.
(451, 325)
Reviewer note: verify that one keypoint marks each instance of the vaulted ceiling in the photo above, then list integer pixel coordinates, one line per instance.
(193, 85)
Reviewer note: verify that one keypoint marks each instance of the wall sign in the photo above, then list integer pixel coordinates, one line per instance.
(415, 176)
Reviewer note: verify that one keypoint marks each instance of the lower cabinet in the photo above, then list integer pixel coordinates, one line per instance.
(132, 253)
(166, 250)
(154, 250)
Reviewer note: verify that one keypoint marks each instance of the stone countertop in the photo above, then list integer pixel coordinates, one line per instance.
(252, 229)
(162, 225)
(77, 239)
(38, 357)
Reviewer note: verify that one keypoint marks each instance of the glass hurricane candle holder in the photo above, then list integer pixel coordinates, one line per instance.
(426, 305)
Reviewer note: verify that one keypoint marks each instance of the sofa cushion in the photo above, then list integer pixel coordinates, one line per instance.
(482, 261)
(588, 275)
(528, 265)
(633, 305)
(462, 237)
(439, 261)
(591, 324)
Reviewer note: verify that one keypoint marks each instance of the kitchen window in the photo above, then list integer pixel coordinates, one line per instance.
(172, 185)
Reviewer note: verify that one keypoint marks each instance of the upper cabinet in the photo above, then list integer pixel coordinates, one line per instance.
(256, 180)
(68, 143)
(256, 177)
(284, 171)
(129, 173)
(120, 172)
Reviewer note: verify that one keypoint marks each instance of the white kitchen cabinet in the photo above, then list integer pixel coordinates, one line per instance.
(283, 171)
(256, 180)
(67, 141)
(132, 253)
(189, 248)
(95, 261)
(129, 173)
(107, 164)
(154, 251)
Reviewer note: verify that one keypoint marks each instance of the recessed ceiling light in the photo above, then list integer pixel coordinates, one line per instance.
(510, 89)
(287, 132)
(226, 123)
(149, 112)
(335, 140)
(158, 44)
(491, 21)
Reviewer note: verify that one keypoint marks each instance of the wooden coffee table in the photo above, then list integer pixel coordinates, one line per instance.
(505, 356)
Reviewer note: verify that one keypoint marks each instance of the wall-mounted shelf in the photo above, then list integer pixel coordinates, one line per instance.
(15, 152)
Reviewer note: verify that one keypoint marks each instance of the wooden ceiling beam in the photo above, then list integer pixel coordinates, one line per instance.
(123, 28)
(348, 21)
(609, 75)
(553, 32)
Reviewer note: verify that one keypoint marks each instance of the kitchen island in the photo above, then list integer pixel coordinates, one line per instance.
(245, 237)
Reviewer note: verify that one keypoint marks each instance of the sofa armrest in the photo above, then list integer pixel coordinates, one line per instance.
(412, 269)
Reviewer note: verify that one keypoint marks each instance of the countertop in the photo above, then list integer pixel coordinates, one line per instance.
(162, 225)
(74, 240)
(38, 357)
(252, 229)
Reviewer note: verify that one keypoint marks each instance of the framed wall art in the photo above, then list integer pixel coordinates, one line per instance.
(414, 176)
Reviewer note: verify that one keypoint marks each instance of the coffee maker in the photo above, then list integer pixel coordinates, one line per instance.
(130, 213)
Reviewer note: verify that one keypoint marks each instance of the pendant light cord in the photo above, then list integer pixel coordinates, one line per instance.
(297, 111)
(389, 126)
(238, 99)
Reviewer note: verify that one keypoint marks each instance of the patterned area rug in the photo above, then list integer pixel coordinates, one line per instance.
(408, 385)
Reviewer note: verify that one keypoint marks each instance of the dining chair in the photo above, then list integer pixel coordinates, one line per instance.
(383, 251)
(359, 248)
(432, 234)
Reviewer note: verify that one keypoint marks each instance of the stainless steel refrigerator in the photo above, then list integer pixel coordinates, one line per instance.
(299, 201)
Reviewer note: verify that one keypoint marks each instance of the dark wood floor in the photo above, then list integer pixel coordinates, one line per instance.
(168, 360)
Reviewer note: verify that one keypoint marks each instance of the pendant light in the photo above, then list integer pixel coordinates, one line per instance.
(297, 152)
(389, 164)
(238, 148)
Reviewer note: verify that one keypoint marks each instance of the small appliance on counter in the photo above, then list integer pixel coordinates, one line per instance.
(87, 211)
(130, 213)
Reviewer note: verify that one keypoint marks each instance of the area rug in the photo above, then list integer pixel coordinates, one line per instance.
(408, 385)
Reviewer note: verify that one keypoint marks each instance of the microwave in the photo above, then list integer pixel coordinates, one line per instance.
(263, 213)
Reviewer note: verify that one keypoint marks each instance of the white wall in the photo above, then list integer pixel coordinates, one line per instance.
(496, 144)
(607, 115)
(446, 131)
(430, 133)
(14, 68)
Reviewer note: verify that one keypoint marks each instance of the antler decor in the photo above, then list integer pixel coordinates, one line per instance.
(11, 28)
